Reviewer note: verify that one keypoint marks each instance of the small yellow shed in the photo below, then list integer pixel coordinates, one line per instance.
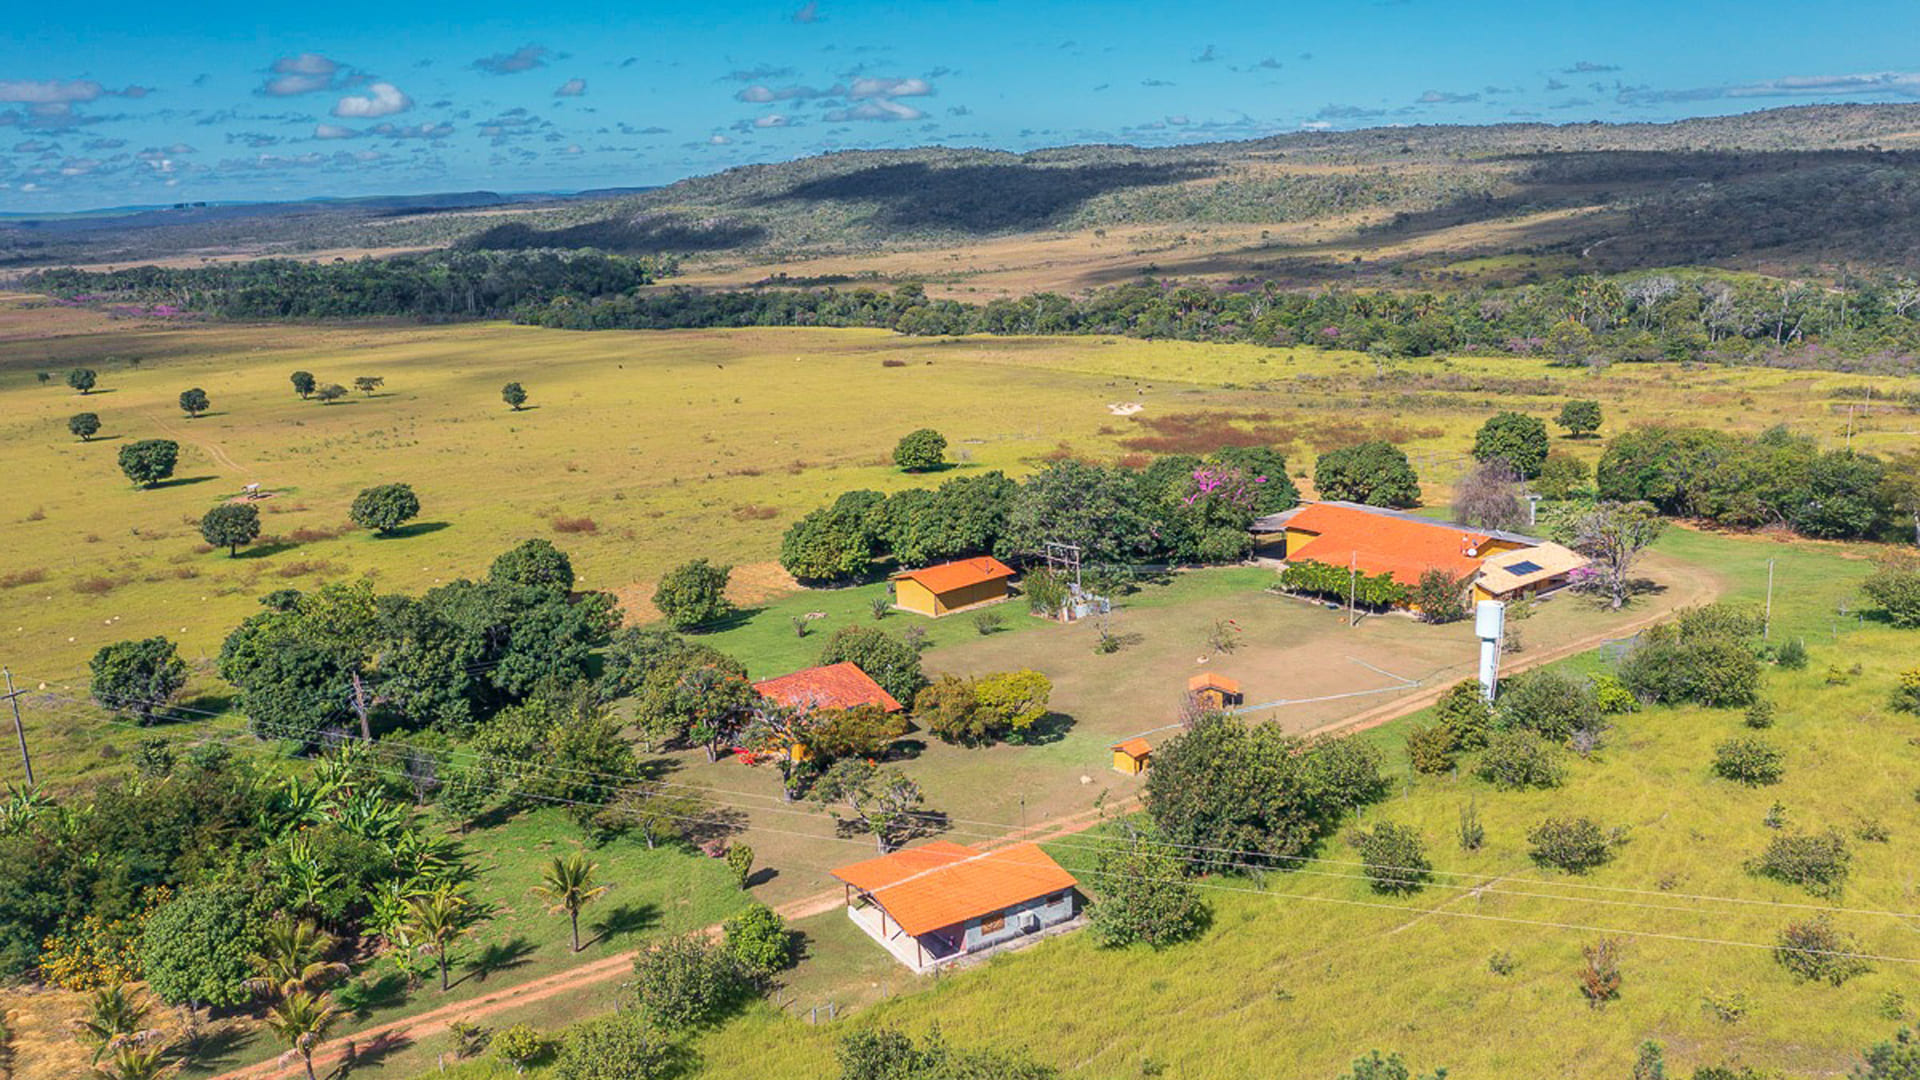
(950, 587)
(1214, 691)
(1130, 757)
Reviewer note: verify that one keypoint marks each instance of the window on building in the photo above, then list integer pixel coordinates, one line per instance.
(1056, 898)
(993, 924)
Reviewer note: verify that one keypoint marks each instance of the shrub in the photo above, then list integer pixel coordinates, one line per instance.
(1906, 692)
(1750, 761)
(693, 594)
(1145, 896)
(1817, 862)
(1046, 593)
(138, 677)
(1549, 704)
(519, 1046)
(1713, 671)
(1463, 710)
(514, 395)
(1520, 759)
(1575, 846)
(1600, 978)
(1897, 591)
(685, 982)
(1760, 714)
(1430, 749)
(1792, 655)
(1472, 833)
(1814, 950)
(921, 451)
(1011, 701)
(618, 1047)
(1395, 858)
(1440, 597)
(1561, 476)
(988, 622)
(740, 861)
(1373, 591)
(194, 947)
(1613, 697)
(758, 940)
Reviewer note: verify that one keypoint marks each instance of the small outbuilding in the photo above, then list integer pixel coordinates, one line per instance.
(941, 901)
(1214, 691)
(1131, 757)
(954, 586)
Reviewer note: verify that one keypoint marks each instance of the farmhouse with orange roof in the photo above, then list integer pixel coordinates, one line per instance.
(941, 901)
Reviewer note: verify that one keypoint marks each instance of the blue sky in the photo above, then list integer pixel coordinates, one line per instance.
(124, 103)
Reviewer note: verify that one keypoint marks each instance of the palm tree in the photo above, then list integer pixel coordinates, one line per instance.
(567, 885)
(436, 920)
(138, 1060)
(302, 1020)
(112, 1015)
(292, 956)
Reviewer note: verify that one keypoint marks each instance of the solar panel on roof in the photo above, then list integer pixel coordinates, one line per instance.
(1524, 566)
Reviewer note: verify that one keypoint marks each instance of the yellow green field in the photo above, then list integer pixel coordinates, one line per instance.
(708, 443)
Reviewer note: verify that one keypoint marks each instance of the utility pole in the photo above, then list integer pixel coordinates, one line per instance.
(360, 707)
(1353, 574)
(19, 730)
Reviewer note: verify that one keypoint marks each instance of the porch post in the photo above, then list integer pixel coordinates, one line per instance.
(919, 957)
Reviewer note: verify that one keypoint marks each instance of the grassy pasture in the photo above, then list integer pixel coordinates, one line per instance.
(668, 445)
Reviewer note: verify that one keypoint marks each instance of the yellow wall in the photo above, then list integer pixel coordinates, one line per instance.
(1297, 539)
(913, 596)
(1122, 762)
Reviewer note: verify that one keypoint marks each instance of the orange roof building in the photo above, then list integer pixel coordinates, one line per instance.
(1131, 756)
(953, 586)
(1214, 690)
(835, 686)
(935, 903)
(1374, 540)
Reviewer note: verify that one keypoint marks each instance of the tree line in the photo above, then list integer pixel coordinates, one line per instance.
(434, 287)
(1862, 323)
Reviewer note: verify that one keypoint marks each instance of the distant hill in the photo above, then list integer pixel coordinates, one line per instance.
(1811, 185)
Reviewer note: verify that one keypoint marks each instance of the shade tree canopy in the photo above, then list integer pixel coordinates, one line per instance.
(85, 424)
(82, 379)
(921, 451)
(303, 383)
(137, 677)
(194, 402)
(514, 395)
(149, 461)
(385, 507)
(230, 525)
(1376, 473)
(1579, 417)
(1515, 438)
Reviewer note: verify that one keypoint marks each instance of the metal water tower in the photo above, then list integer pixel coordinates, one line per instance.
(1490, 624)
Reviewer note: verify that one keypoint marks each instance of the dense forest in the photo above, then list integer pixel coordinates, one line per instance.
(461, 285)
(1868, 324)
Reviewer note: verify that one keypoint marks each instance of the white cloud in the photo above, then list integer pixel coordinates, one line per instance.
(49, 91)
(571, 88)
(302, 74)
(772, 120)
(875, 88)
(333, 131)
(876, 110)
(381, 99)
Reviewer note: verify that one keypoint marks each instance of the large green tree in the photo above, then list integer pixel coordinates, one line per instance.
(230, 525)
(1073, 502)
(1579, 417)
(385, 507)
(1375, 473)
(303, 383)
(837, 542)
(1515, 438)
(85, 424)
(138, 677)
(886, 659)
(149, 461)
(921, 451)
(693, 594)
(82, 379)
(1144, 894)
(194, 402)
(535, 564)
